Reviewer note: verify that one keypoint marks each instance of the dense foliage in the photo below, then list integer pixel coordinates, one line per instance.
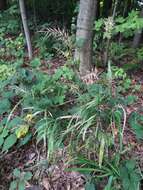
(96, 121)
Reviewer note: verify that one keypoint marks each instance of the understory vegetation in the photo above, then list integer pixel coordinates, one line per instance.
(54, 121)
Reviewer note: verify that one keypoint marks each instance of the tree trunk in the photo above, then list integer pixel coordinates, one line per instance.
(138, 34)
(3, 4)
(84, 35)
(107, 8)
(98, 10)
(25, 26)
(128, 7)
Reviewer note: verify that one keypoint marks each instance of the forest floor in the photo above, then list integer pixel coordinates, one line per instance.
(28, 156)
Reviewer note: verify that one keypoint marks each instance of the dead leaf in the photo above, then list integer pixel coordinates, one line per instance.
(46, 184)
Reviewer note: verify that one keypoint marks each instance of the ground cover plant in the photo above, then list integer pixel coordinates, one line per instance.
(66, 122)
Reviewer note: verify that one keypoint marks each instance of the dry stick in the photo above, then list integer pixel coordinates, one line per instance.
(10, 115)
(108, 41)
(25, 26)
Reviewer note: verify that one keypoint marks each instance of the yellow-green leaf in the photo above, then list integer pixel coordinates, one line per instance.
(22, 131)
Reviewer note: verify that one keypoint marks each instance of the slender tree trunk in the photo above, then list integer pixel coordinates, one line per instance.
(84, 35)
(107, 7)
(98, 10)
(128, 7)
(138, 34)
(25, 26)
(3, 4)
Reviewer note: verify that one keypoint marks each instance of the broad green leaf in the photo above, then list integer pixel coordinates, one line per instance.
(1, 140)
(14, 122)
(35, 62)
(2, 124)
(131, 164)
(120, 19)
(25, 140)
(90, 186)
(9, 142)
(27, 176)
(131, 99)
(16, 172)
(129, 176)
(21, 185)
(4, 105)
(5, 133)
(13, 185)
(98, 24)
(8, 94)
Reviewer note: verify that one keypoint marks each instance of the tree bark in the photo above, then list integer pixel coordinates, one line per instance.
(128, 7)
(25, 26)
(97, 10)
(138, 34)
(3, 4)
(107, 8)
(84, 34)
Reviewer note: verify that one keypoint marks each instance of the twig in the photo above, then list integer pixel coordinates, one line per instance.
(10, 115)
